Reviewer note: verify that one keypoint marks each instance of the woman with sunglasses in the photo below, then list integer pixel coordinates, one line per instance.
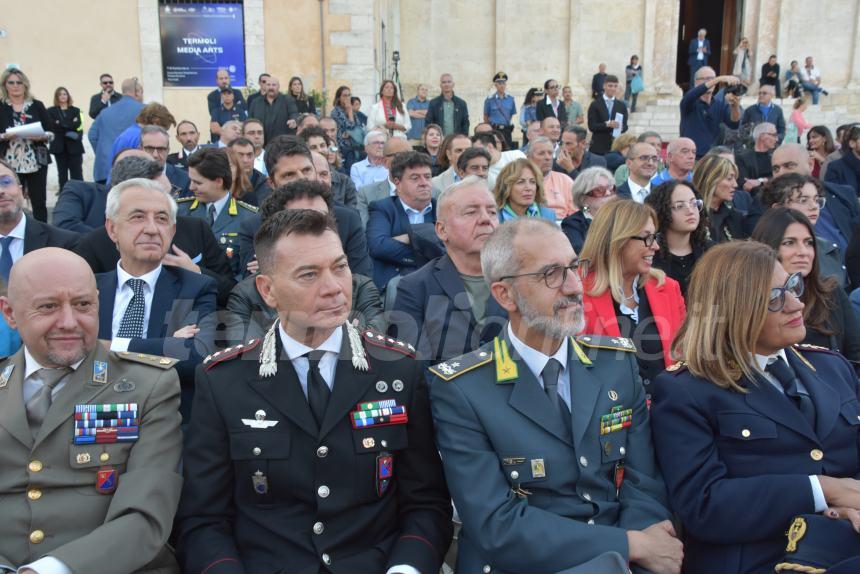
(683, 229)
(624, 294)
(752, 430)
(592, 188)
(829, 317)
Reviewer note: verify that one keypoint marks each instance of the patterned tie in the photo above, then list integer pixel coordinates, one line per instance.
(318, 390)
(38, 405)
(6, 258)
(782, 372)
(131, 326)
(211, 214)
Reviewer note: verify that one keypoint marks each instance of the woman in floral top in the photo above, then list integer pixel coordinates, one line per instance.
(350, 133)
(28, 156)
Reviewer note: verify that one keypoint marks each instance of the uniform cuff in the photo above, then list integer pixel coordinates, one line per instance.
(47, 565)
(402, 569)
(817, 494)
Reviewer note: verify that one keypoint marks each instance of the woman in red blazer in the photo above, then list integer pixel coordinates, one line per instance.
(625, 296)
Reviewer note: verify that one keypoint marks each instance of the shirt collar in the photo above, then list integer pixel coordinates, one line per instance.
(763, 361)
(608, 100)
(294, 349)
(392, 189)
(149, 278)
(219, 205)
(424, 211)
(31, 365)
(635, 188)
(535, 360)
(18, 231)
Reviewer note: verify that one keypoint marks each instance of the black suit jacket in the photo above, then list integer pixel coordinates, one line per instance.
(597, 85)
(38, 235)
(193, 236)
(461, 114)
(179, 180)
(624, 191)
(543, 109)
(180, 158)
(842, 203)
(433, 313)
(349, 229)
(96, 105)
(61, 123)
(81, 206)
(598, 115)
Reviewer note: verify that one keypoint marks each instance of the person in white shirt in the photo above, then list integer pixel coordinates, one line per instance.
(642, 160)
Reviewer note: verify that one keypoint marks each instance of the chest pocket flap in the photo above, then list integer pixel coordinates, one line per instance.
(376, 439)
(851, 412)
(745, 426)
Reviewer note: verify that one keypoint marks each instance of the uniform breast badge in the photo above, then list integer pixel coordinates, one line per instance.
(4, 376)
(259, 421)
(106, 480)
(377, 414)
(795, 533)
(260, 482)
(384, 472)
(106, 423)
(538, 468)
(618, 418)
(100, 372)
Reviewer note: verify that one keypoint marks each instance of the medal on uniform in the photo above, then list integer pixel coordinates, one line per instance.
(538, 468)
(124, 386)
(260, 482)
(4, 376)
(384, 473)
(100, 372)
(106, 480)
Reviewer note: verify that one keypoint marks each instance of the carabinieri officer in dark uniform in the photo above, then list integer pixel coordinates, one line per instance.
(312, 450)
(752, 430)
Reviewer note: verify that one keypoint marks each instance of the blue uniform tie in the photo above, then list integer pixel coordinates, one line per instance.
(6, 258)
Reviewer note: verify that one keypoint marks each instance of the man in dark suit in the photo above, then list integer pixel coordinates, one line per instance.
(105, 98)
(213, 99)
(447, 110)
(597, 81)
(155, 141)
(551, 105)
(282, 470)
(111, 123)
(601, 117)
(260, 189)
(445, 309)
(390, 220)
(145, 306)
(343, 190)
(700, 50)
(573, 157)
(189, 138)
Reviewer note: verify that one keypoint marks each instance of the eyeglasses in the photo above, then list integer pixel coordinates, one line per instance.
(793, 285)
(787, 166)
(694, 204)
(14, 83)
(649, 239)
(153, 149)
(601, 191)
(553, 276)
(808, 201)
(7, 182)
(107, 82)
(647, 158)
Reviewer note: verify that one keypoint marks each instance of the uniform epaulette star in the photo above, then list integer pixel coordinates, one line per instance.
(381, 340)
(604, 342)
(453, 368)
(248, 206)
(229, 353)
(677, 368)
(184, 199)
(152, 360)
(808, 347)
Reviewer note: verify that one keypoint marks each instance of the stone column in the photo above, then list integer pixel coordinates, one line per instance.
(663, 38)
(255, 41)
(768, 35)
(854, 70)
(579, 69)
(359, 71)
(150, 51)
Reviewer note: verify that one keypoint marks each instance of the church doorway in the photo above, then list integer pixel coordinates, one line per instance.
(723, 21)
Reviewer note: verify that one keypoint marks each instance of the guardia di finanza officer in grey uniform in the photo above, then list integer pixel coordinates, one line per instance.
(211, 182)
(312, 450)
(81, 493)
(545, 437)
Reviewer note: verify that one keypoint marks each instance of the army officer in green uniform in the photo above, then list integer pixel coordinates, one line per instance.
(89, 439)
(552, 426)
(211, 182)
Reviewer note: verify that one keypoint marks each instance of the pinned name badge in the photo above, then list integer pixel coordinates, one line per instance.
(397, 386)
(384, 473)
(4, 376)
(513, 460)
(381, 386)
(538, 468)
(106, 480)
(100, 372)
(124, 386)
(260, 482)
(259, 421)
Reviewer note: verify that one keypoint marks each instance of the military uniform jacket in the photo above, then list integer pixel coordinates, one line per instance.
(534, 497)
(737, 465)
(226, 226)
(318, 503)
(49, 501)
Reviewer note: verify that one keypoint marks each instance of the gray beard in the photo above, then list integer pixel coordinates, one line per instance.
(552, 327)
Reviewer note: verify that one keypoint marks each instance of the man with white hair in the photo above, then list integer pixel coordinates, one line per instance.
(144, 305)
(372, 168)
(444, 308)
(549, 423)
(681, 158)
(754, 167)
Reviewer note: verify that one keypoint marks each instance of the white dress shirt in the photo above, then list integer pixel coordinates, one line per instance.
(536, 361)
(328, 363)
(700, 55)
(260, 163)
(639, 192)
(16, 248)
(123, 296)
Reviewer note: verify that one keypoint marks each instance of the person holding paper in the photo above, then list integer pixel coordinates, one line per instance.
(25, 149)
(607, 117)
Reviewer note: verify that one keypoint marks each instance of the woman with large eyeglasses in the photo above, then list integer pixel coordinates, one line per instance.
(624, 294)
(829, 317)
(683, 229)
(591, 189)
(716, 179)
(806, 195)
(752, 430)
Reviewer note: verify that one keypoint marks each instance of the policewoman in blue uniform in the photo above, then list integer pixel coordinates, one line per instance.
(752, 429)
(311, 450)
(211, 182)
(545, 436)
(500, 108)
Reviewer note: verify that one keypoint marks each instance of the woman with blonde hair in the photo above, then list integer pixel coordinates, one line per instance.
(519, 192)
(716, 178)
(624, 294)
(752, 431)
(591, 189)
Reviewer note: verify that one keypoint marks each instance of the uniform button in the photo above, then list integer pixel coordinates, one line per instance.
(35, 466)
(622, 451)
(257, 451)
(583, 461)
(591, 521)
(37, 536)
(34, 494)
(104, 457)
(487, 569)
(514, 475)
(383, 443)
(816, 454)
(586, 496)
(326, 559)
(318, 528)
(746, 433)
(323, 491)
(322, 451)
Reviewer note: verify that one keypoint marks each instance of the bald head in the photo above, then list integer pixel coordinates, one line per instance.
(53, 303)
(791, 158)
(394, 146)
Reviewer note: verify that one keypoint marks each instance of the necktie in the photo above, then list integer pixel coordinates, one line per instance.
(550, 375)
(211, 214)
(131, 326)
(782, 372)
(38, 405)
(6, 258)
(318, 390)
(609, 108)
